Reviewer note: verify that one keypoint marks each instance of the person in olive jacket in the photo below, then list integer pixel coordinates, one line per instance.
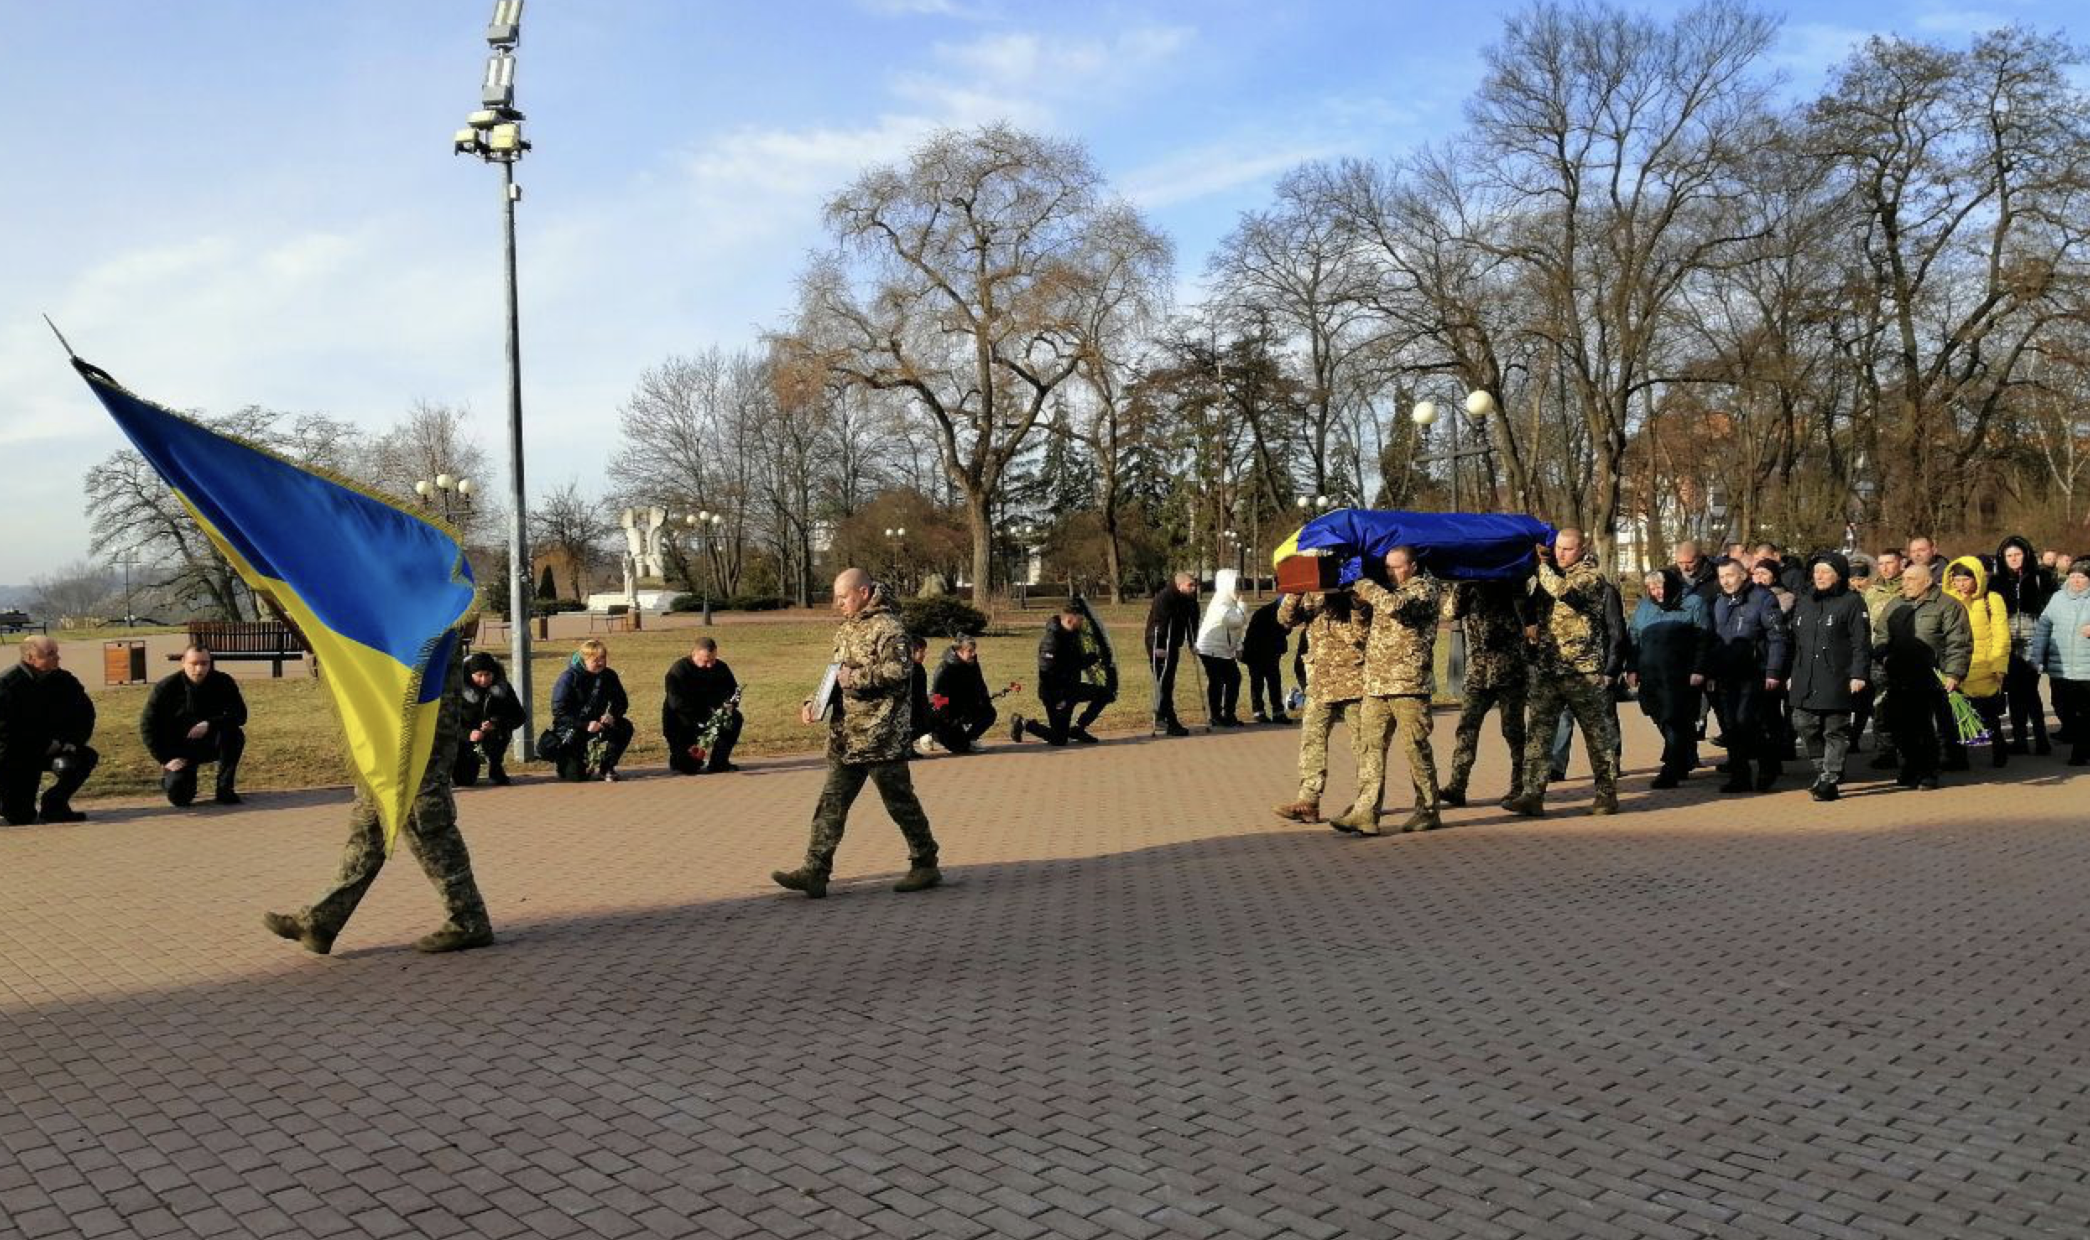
(1926, 636)
(1746, 665)
(1831, 668)
(194, 717)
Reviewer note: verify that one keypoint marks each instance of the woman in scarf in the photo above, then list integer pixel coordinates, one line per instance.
(1988, 615)
(2025, 585)
(1665, 664)
(589, 706)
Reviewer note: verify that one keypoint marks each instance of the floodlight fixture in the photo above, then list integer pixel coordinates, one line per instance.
(504, 29)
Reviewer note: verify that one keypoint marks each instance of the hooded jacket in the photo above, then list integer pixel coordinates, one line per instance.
(2024, 594)
(963, 686)
(2058, 646)
(1171, 620)
(1266, 640)
(1831, 642)
(178, 704)
(1988, 616)
(496, 703)
(1666, 645)
(872, 717)
(1749, 637)
(1225, 622)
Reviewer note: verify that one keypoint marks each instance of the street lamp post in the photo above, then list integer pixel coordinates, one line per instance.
(705, 524)
(440, 488)
(494, 134)
(896, 545)
(1479, 404)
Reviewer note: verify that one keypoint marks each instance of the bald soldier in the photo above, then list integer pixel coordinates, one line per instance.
(46, 720)
(1399, 677)
(870, 733)
(1568, 670)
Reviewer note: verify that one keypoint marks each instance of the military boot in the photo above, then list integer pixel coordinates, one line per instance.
(1357, 820)
(298, 930)
(1453, 795)
(1605, 804)
(920, 878)
(1423, 820)
(454, 938)
(812, 882)
(1299, 811)
(1527, 805)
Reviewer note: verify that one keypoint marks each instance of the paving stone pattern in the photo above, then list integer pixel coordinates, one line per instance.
(1141, 1007)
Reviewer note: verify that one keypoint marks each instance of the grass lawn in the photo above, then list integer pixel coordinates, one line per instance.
(293, 739)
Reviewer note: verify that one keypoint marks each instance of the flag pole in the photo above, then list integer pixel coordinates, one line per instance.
(66, 344)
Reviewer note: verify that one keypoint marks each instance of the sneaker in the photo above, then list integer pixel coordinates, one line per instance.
(1299, 811)
(453, 939)
(920, 878)
(609, 777)
(1082, 735)
(293, 927)
(802, 879)
(1016, 729)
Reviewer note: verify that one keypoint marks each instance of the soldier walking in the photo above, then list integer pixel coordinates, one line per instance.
(1494, 616)
(869, 727)
(1399, 677)
(1568, 669)
(430, 831)
(1337, 628)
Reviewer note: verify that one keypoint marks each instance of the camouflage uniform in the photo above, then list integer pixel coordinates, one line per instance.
(870, 733)
(1498, 677)
(1335, 681)
(1568, 671)
(430, 832)
(1399, 676)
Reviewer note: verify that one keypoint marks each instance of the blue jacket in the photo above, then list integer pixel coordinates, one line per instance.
(1749, 636)
(2058, 645)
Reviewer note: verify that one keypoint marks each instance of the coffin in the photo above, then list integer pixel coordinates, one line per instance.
(1309, 574)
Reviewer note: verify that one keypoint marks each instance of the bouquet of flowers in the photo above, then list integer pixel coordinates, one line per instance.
(598, 750)
(715, 726)
(1966, 720)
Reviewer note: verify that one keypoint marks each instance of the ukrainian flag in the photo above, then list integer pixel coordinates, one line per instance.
(378, 590)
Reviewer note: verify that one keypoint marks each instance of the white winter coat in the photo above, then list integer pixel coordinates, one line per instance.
(1226, 621)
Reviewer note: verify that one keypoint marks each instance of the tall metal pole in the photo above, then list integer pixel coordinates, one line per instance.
(1455, 411)
(518, 540)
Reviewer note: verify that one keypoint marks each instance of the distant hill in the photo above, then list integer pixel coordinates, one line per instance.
(16, 596)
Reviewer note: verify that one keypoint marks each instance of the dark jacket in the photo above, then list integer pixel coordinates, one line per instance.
(1794, 577)
(580, 695)
(1172, 620)
(1266, 640)
(176, 705)
(36, 710)
(1705, 583)
(963, 684)
(2024, 594)
(1930, 635)
(496, 703)
(1831, 642)
(1062, 656)
(1666, 646)
(1618, 639)
(1749, 639)
(693, 695)
(918, 697)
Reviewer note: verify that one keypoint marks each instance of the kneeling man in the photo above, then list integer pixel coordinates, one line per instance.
(193, 718)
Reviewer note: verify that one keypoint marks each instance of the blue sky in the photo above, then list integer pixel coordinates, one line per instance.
(254, 202)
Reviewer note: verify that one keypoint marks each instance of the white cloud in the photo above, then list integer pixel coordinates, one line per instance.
(1217, 168)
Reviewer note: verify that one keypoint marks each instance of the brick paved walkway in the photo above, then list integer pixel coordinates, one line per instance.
(1142, 1007)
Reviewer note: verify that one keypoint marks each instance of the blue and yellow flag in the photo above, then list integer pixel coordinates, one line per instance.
(378, 590)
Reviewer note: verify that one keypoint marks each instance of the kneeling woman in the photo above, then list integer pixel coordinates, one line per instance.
(590, 731)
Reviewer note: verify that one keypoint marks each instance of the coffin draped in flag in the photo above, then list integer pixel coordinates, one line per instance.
(1454, 545)
(379, 591)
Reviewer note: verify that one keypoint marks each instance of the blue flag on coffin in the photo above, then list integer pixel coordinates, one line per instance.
(378, 591)
(1454, 545)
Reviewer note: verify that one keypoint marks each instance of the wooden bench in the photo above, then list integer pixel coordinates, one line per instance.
(617, 619)
(247, 641)
(21, 622)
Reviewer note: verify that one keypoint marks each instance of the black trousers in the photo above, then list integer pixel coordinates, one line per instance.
(222, 745)
(1059, 705)
(573, 755)
(1164, 664)
(717, 758)
(489, 751)
(1861, 714)
(20, 775)
(1742, 710)
(1912, 717)
(962, 733)
(1266, 686)
(2021, 688)
(2071, 697)
(1222, 687)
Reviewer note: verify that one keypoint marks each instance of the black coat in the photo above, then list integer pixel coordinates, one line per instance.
(37, 710)
(964, 684)
(1749, 637)
(1171, 620)
(1668, 647)
(496, 703)
(579, 696)
(1062, 657)
(2025, 592)
(1831, 645)
(693, 695)
(1266, 640)
(176, 705)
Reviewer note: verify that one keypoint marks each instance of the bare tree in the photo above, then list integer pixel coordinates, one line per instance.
(566, 522)
(959, 282)
(78, 590)
(431, 440)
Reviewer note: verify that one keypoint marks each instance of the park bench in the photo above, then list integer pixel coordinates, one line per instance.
(21, 622)
(616, 619)
(247, 641)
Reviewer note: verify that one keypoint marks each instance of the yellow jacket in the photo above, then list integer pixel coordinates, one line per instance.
(1990, 620)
